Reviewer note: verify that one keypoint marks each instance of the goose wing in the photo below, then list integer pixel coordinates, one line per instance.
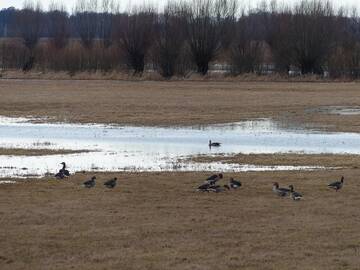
(213, 177)
(285, 190)
(204, 186)
(59, 175)
(89, 183)
(334, 184)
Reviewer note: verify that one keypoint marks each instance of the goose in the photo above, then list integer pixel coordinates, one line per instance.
(90, 183)
(234, 184)
(60, 175)
(337, 185)
(296, 196)
(214, 178)
(65, 172)
(62, 172)
(111, 183)
(214, 144)
(204, 187)
(282, 192)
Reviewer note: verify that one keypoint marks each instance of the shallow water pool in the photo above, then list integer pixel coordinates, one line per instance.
(129, 148)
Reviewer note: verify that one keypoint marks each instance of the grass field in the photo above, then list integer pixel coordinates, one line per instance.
(157, 220)
(178, 103)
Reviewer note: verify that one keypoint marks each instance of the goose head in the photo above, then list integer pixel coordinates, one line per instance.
(220, 175)
(276, 184)
(93, 178)
(291, 188)
(342, 179)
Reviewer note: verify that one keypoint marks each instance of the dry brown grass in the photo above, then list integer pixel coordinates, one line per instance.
(157, 221)
(325, 160)
(178, 103)
(37, 152)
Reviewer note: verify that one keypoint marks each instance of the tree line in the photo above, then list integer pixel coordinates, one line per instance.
(310, 37)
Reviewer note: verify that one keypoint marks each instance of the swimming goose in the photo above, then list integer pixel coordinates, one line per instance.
(337, 185)
(234, 184)
(90, 183)
(214, 144)
(214, 178)
(296, 196)
(282, 192)
(111, 183)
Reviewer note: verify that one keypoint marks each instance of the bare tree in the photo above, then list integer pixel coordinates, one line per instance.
(312, 34)
(351, 43)
(58, 25)
(106, 19)
(134, 36)
(277, 23)
(205, 24)
(246, 50)
(85, 19)
(169, 39)
(28, 21)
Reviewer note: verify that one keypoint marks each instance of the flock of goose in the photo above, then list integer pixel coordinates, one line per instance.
(63, 173)
(92, 182)
(210, 184)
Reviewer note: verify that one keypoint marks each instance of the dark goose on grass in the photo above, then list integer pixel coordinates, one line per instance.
(111, 183)
(296, 196)
(62, 172)
(337, 185)
(282, 192)
(90, 183)
(214, 178)
(129, 148)
(234, 183)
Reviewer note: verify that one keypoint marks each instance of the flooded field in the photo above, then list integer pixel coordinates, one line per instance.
(158, 150)
(138, 148)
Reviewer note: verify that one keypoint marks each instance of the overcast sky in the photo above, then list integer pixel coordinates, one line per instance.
(125, 3)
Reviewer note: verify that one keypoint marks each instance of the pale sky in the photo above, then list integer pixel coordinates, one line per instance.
(126, 3)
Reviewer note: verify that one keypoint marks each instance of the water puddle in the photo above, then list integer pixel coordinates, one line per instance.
(337, 110)
(5, 182)
(129, 148)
